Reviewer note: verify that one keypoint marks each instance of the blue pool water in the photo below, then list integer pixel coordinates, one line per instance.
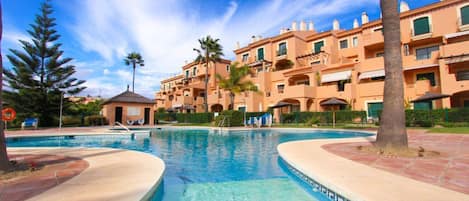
(211, 166)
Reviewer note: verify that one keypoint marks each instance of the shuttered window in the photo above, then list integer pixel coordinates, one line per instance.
(465, 15)
(317, 46)
(427, 105)
(260, 54)
(374, 109)
(421, 26)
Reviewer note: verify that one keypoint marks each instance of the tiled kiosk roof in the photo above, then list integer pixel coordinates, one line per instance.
(129, 97)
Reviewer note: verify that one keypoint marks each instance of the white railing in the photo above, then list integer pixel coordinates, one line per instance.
(122, 126)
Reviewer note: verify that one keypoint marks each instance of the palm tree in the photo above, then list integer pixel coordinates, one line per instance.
(392, 132)
(234, 83)
(134, 58)
(4, 161)
(210, 51)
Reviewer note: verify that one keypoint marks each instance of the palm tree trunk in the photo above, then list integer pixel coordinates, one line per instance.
(392, 132)
(133, 79)
(232, 97)
(4, 161)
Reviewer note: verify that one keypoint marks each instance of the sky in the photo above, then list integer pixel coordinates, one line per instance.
(98, 34)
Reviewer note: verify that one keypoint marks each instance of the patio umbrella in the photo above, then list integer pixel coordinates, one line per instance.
(280, 105)
(333, 102)
(189, 107)
(170, 110)
(429, 96)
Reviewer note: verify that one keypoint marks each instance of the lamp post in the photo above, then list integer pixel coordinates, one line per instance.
(60, 114)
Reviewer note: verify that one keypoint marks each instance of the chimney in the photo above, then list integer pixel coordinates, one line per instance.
(403, 7)
(259, 37)
(293, 26)
(355, 23)
(237, 45)
(302, 25)
(282, 31)
(311, 26)
(364, 18)
(253, 39)
(335, 25)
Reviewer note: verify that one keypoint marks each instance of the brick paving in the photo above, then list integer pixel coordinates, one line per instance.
(56, 170)
(449, 170)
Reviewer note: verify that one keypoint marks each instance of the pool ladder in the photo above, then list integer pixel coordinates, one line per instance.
(122, 126)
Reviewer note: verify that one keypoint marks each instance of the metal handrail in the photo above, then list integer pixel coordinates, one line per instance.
(122, 126)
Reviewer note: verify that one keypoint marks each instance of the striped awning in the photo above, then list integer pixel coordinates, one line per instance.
(371, 74)
(333, 77)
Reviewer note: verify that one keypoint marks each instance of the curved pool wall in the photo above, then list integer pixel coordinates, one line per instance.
(204, 164)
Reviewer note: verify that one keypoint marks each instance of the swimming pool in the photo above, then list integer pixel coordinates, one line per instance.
(209, 165)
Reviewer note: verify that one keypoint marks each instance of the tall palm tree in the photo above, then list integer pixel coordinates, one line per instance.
(135, 59)
(234, 83)
(392, 132)
(4, 161)
(210, 52)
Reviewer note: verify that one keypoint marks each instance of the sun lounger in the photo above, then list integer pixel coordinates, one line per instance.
(29, 122)
(141, 122)
(130, 122)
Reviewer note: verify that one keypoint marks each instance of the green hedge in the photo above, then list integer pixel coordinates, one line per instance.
(341, 116)
(428, 118)
(95, 120)
(194, 117)
(163, 116)
(232, 118)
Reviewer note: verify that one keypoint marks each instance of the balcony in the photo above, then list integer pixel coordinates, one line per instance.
(371, 89)
(454, 49)
(410, 62)
(295, 91)
(372, 64)
(349, 52)
(183, 100)
(420, 87)
(373, 38)
(328, 91)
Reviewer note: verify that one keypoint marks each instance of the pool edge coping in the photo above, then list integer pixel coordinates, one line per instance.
(77, 182)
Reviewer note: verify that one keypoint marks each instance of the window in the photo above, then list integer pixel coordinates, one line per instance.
(465, 15)
(282, 49)
(245, 57)
(318, 46)
(194, 71)
(228, 68)
(380, 54)
(341, 85)
(133, 111)
(280, 88)
(355, 41)
(381, 78)
(462, 75)
(302, 82)
(374, 109)
(242, 108)
(343, 44)
(421, 26)
(427, 76)
(315, 62)
(187, 73)
(426, 52)
(260, 54)
(406, 50)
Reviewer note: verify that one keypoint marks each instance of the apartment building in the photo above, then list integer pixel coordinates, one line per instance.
(185, 91)
(304, 68)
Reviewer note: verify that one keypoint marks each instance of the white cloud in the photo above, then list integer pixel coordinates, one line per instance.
(165, 32)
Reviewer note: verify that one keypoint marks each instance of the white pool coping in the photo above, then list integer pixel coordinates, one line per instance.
(113, 174)
(356, 181)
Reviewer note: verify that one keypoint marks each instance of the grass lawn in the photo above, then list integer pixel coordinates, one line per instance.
(457, 130)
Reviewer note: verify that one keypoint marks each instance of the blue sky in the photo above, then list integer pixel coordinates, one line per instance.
(99, 33)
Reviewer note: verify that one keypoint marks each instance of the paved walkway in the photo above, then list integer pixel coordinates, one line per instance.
(58, 170)
(449, 170)
(113, 174)
(358, 181)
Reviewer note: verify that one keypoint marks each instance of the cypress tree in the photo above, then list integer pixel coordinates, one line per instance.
(40, 74)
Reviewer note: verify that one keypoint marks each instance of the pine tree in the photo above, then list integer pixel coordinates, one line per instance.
(40, 74)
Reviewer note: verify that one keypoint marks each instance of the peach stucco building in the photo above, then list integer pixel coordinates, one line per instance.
(129, 108)
(304, 67)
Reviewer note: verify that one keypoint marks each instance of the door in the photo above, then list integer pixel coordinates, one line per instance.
(147, 116)
(118, 115)
(374, 109)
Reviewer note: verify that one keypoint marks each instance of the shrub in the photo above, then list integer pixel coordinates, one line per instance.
(194, 117)
(72, 121)
(232, 118)
(95, 120)
(341, 116)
